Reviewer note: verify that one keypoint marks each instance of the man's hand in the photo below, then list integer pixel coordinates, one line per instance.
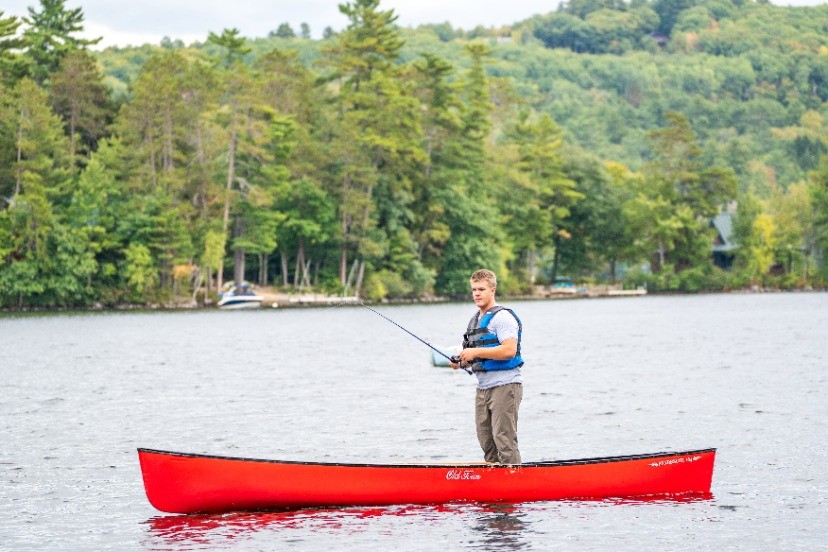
(468, 355)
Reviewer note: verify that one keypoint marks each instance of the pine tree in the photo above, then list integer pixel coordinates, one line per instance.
(45, 261)
(290, 89)
(475, 233)
(80, 97)
(245, 122)
(50, 37)
(441, 123)
(541, 195)
(232, 44)
(156, 129)
(378, 130)
(681, 195)
(12, 64)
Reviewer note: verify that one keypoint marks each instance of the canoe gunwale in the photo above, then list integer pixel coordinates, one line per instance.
(541, 464)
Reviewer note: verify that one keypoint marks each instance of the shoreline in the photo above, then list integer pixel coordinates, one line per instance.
(279, 301)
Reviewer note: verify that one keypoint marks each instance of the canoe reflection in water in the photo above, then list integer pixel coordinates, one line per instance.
(499, 527)
(496, 526)
(213, 529)
(502, 526)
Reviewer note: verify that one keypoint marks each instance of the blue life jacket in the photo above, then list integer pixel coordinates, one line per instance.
(477, 335)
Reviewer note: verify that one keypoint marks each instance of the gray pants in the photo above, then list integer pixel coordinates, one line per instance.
(496, 416)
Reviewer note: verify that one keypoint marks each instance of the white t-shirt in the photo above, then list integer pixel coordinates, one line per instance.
(504, 326)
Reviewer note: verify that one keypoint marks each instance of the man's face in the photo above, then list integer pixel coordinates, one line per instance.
(482, 293)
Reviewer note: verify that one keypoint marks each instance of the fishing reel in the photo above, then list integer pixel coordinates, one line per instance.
(456, 360)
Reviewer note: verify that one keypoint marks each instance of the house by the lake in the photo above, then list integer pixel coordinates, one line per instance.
(724, 246)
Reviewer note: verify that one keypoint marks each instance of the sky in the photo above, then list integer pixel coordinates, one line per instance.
(134, 22)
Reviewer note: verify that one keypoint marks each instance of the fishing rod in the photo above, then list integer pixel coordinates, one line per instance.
(454, 359)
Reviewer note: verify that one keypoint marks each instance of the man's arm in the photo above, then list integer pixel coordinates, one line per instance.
(504, 351)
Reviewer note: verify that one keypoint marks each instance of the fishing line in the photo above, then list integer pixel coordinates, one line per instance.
(453, 359)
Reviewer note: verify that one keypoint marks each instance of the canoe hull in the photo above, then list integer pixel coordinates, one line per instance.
(189, 483)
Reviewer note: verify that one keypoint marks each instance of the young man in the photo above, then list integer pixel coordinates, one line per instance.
(491, 347)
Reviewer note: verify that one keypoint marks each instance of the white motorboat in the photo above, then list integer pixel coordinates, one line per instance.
(240, 298)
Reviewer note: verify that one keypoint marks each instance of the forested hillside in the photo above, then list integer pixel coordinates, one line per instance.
(597, 142)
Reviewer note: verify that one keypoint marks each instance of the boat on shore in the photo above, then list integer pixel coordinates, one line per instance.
(241, 297)
(240, 302)
(177, 482)
(439, 360)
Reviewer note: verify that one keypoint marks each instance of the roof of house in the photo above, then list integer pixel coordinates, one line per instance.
(723, 224)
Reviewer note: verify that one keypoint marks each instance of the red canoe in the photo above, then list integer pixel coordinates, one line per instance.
(188, 483)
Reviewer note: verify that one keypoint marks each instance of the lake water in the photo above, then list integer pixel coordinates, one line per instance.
(743, 373)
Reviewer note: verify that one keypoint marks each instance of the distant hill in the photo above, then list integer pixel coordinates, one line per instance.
(751, 77)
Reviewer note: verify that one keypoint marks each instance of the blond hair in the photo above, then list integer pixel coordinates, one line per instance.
(485, 275)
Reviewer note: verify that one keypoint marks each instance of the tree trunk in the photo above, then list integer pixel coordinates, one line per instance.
(300, 264)
(73, 119)
(19, 183)
(238, 266)
(165, 271)
(238, 256)
(153, 168)
(306, 273)
(263, 259)
(350, 278)
(358, 287)
(343, 260)
(343, 257)
(167, 160)
(231, 168)
(555, 259)
(200, 197)
(197, 286)
(284, 268)
(661, 256)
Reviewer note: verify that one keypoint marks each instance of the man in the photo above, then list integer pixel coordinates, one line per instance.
(491, 347)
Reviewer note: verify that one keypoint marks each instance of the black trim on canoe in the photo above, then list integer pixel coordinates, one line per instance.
(543, 464)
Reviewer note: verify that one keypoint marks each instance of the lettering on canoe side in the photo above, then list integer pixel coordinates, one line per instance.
(462, 475)
(682, 460)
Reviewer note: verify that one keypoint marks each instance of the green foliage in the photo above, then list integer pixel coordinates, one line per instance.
(539, 195)
(691, 280)
(139, 271)
(818, 190)
(386, 283)
(12, 64)
(80, 97)
(678, 197)
(596, 236)
(231, 43)
(595, 28)
(49, 37)
(393, 162)
(46, 260)
(284, 31)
